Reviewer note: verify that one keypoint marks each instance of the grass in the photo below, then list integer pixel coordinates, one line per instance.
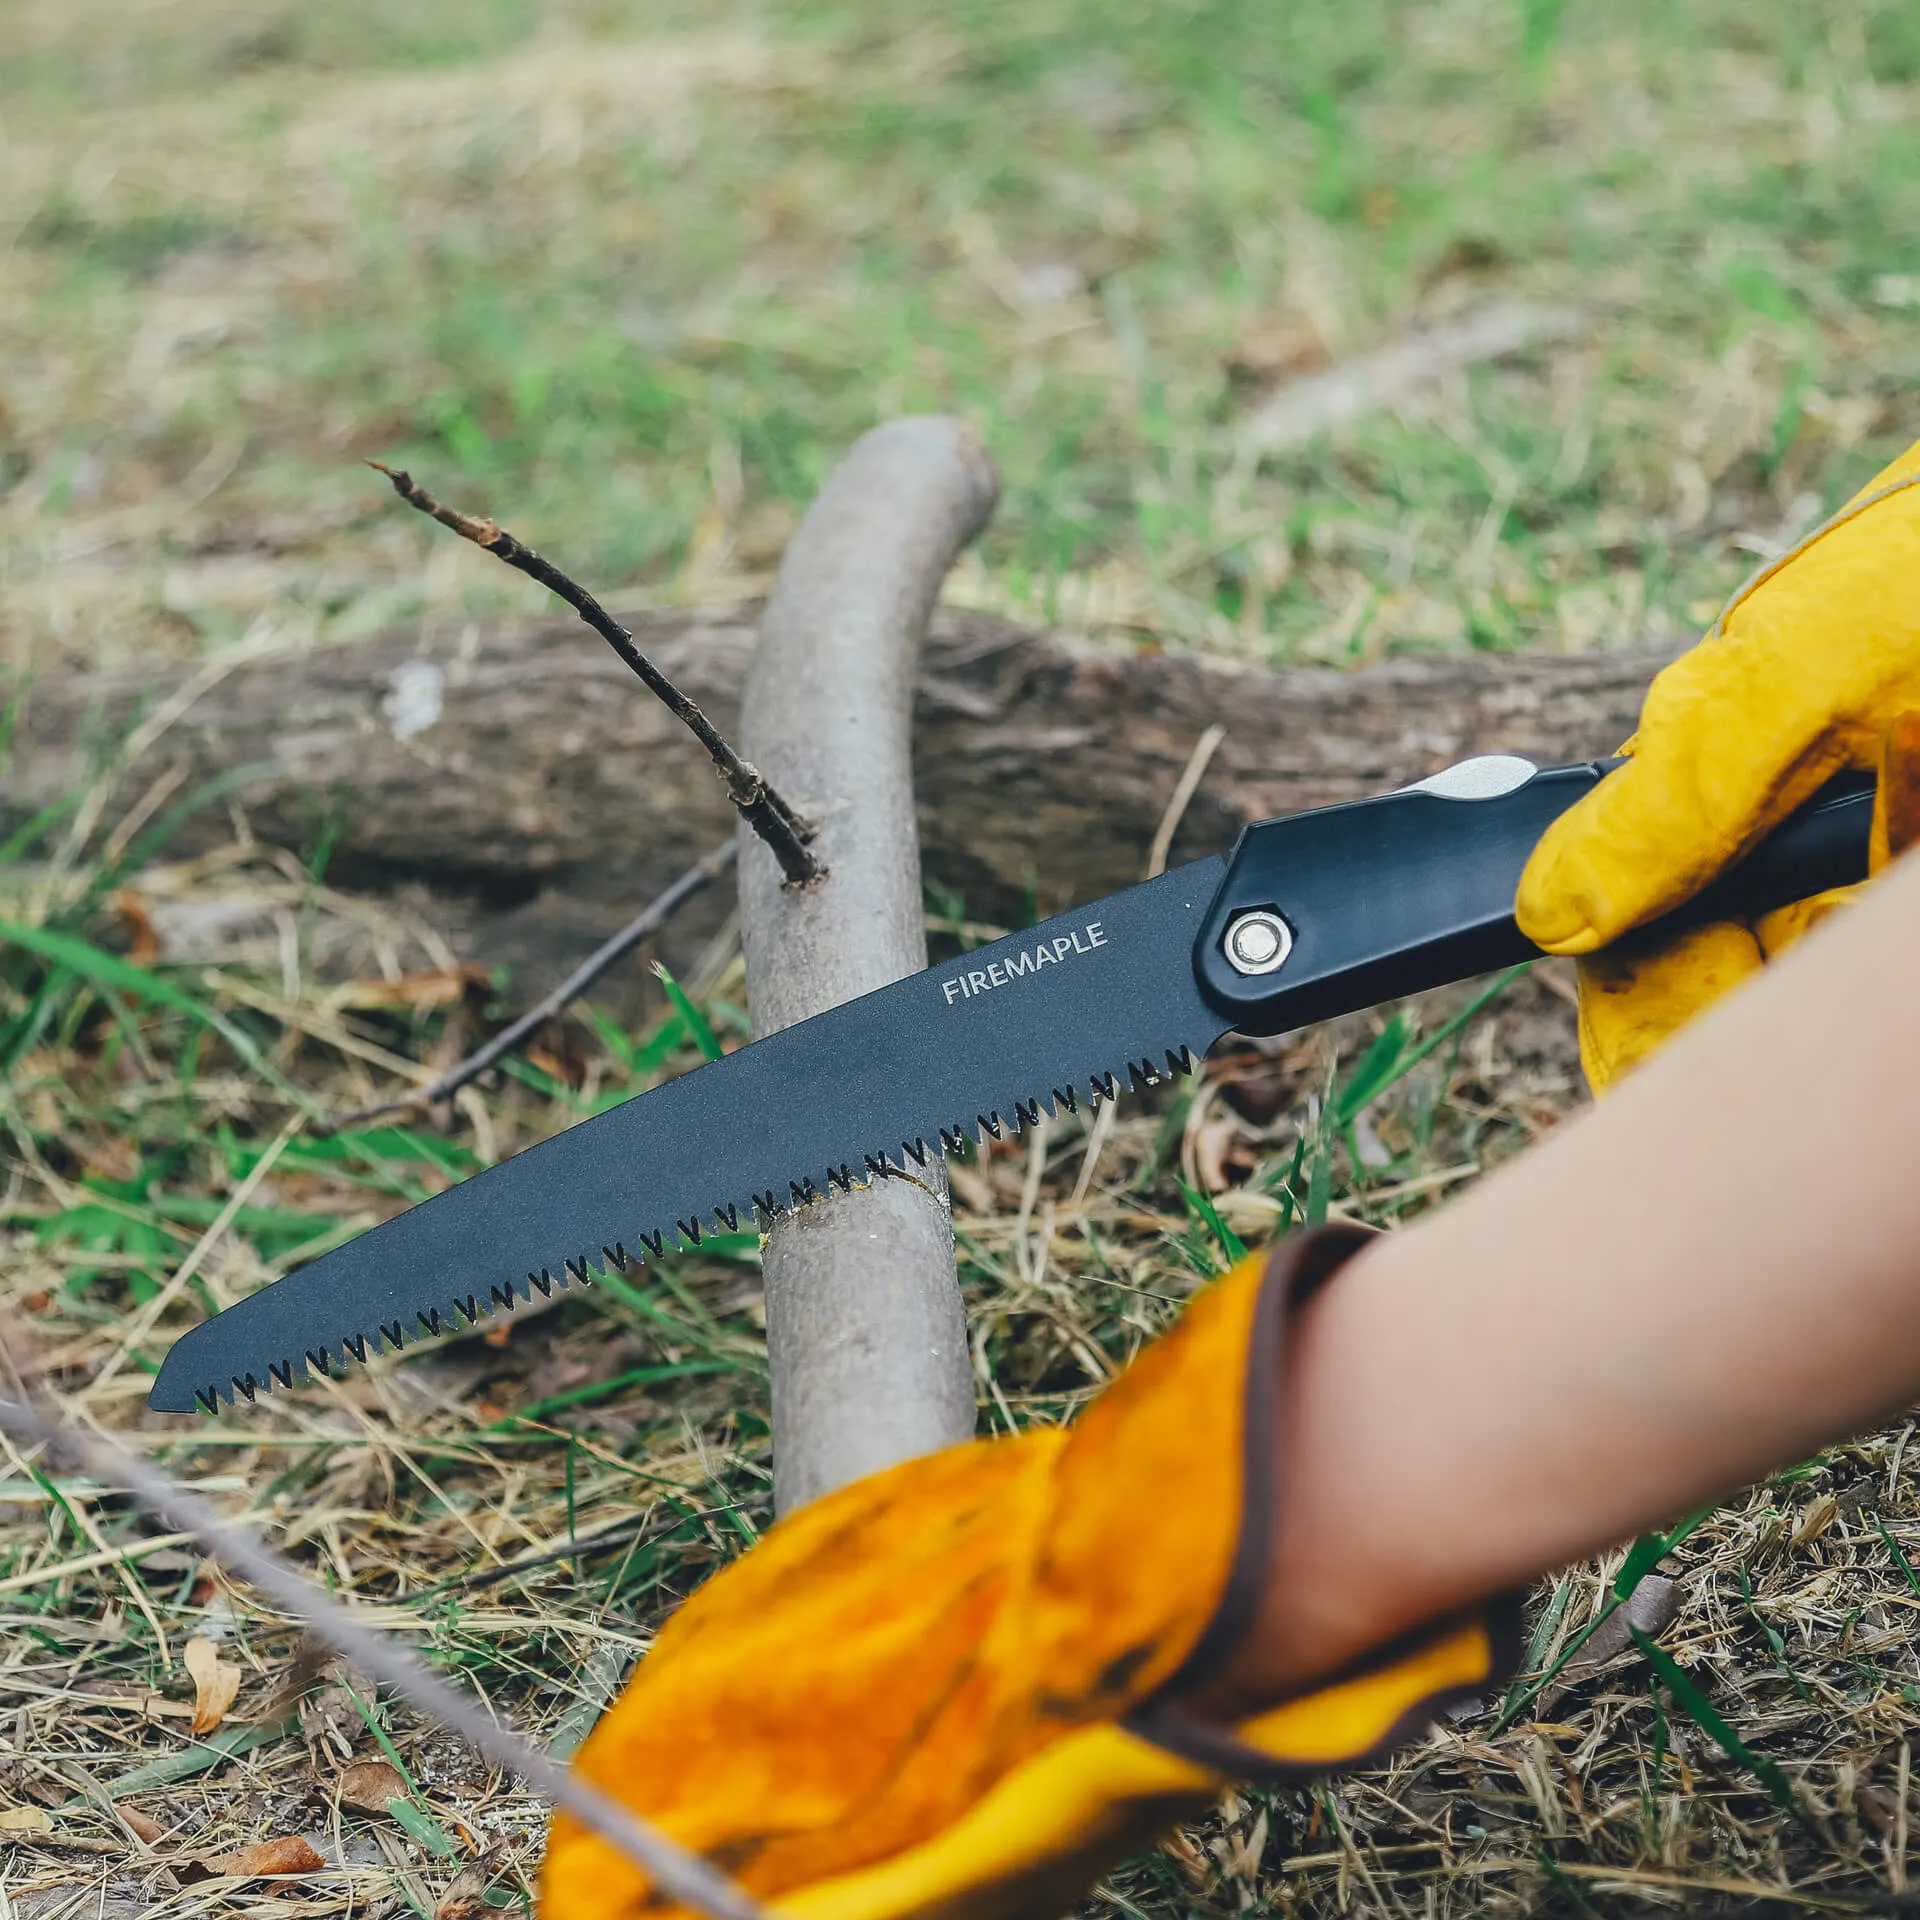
(529, 1506)
(633, 283)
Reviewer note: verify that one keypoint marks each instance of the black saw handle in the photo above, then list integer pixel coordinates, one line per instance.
(1387, 897)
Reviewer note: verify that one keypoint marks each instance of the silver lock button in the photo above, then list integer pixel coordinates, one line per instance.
(1258, 941)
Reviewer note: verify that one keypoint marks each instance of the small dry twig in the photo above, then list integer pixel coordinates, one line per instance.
(784, 830)
(650, 919)
(673, 1870)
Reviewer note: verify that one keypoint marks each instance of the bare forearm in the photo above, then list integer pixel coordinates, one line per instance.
(1708, 1276)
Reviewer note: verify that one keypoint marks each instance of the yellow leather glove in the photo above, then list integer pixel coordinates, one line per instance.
(1813, 668)
(956, 1689)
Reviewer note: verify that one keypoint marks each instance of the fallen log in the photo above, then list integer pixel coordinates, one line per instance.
(510, 780)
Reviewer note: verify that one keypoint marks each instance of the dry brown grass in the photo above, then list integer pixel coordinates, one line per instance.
(529, 1506)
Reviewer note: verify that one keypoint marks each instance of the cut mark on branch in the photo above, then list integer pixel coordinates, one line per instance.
(757, 803)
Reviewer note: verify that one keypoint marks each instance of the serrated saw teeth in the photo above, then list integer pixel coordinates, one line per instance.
(1008, 1120)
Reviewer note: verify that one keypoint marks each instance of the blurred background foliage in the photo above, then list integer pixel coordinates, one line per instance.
(632, 276)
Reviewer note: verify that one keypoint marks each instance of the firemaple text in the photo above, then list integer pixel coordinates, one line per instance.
(1045, 953)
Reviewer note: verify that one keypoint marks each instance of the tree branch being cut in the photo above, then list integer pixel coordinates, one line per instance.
(866, 1336)
(753, 798)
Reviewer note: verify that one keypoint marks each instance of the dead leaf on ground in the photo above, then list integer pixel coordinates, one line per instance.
(1221, 1156)
(466, 1894)
(310, 1665)
(1258, 1094)
(372, 1786)
(1819, 1516)
(143, 938)
(417, 992)
(1651, 1607)
(33, 1820)
(215, 1684)
(1878, 1808)
(144, 1825)
(289, 1854)
(1192, 1862)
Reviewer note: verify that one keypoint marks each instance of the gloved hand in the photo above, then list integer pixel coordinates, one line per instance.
(1814, 667)
(962, 1688)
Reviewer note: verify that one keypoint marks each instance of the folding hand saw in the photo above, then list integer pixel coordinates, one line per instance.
(1313, 915)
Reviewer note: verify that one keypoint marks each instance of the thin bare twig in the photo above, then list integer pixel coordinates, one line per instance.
(784, 830)
(1198, 761)
(1181, 798)
(650, 919)
(674, 1871)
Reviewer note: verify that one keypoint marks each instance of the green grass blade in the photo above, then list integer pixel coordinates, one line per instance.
(410, 1813)
(1771, 1634)
(1540, 1639)
(1200, 1205)
(1379, 1068)
(694, 1020)
(229, 1743)
(1702, 1712)
(109, 971)
(1900, 1560)
(13, 847)
(605, 1389)
(1643, 1556)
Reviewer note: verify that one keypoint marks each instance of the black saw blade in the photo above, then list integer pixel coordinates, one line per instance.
(1076, 1007)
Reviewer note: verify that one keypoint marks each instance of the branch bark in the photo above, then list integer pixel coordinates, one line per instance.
(866, 1337)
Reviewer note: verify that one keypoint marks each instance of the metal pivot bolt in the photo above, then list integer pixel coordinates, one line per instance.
(1258, 941)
